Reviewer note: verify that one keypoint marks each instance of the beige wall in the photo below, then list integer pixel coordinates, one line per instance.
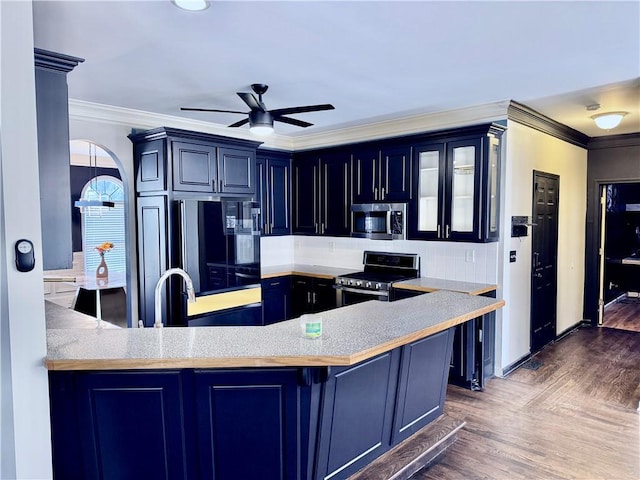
(528, 150)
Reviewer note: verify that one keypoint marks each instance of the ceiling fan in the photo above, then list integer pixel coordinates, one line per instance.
(260, 119)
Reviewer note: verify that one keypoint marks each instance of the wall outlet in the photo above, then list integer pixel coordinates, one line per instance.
(470, 256)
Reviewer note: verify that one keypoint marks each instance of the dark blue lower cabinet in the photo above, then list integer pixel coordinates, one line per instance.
(357, 414)
(119, 425)
(248, 424)
(424, 371)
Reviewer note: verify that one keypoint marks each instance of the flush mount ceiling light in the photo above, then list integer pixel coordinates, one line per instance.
(607, 121)
(191, 5)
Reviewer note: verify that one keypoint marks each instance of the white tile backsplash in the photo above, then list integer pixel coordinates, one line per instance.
(447, 260)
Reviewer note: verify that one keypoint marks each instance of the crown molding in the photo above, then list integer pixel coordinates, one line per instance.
(419, 123)
(531, 118)
(615, 141)
(138, 119)
(94, 112)
(55, 61)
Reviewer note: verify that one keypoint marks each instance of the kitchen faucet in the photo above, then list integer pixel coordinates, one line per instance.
(191, 296)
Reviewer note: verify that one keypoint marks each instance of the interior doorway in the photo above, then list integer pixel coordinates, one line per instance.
(97, 206)
(619, 266)
(544, 256)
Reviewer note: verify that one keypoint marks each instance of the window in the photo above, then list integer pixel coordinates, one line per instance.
(101, 224)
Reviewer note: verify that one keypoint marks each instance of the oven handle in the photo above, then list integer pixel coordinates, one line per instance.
(376, 293)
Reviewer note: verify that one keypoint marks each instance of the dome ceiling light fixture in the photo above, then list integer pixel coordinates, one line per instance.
(192, 5)
(608, 120)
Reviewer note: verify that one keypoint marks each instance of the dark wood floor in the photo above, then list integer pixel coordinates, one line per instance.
(623, 314)
(574, 417)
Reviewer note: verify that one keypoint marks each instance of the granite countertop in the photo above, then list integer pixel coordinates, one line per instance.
(59, 317)
(426, 284)
(306, 270)
(350, 335)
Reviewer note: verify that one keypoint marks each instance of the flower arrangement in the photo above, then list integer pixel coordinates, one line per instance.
(104, 247)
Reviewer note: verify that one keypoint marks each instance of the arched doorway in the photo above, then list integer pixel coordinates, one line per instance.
(96, 174)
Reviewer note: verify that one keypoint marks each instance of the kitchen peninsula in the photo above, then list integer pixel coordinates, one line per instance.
(252, 402)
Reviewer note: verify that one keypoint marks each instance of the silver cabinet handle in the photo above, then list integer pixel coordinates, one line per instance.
(322, 228)
(316, 227)
(314, 297)
(308, 297)
(271, 228)
(382, 195)
(447, 231)
(438, 230)
(375, 193)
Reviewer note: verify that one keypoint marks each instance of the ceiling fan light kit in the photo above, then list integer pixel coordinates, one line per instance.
(607, 121)
(260, 119)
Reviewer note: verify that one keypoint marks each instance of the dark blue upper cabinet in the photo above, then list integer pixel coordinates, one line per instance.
(322, 190)
(306, 173)
(456, 180)
(273, 191)
(168, 159)
(382, 175)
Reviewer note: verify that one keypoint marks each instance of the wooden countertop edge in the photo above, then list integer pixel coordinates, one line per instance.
(297, 272)
(419, 288)
(276, 361)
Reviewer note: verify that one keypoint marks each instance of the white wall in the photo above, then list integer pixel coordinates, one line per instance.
(24, 398)
(527, 150)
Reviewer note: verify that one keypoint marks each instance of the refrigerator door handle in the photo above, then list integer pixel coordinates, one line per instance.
(183, 240)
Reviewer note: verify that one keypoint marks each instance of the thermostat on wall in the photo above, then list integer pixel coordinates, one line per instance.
(25, 259)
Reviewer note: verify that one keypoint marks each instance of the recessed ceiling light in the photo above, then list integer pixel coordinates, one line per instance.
(191, 5)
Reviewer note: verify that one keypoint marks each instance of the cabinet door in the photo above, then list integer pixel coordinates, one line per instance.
(279, 204)
(395, 180)
(276, 293)
(424, 370)
(323, 295)
(150, 163)
(335, 207)
(236, 171)
(152, 252)
(305, 211)
(131, 426)
(301, 295)
(247, 424)
(463, 197)
(366, 176)
(491, 224)
(262, 194)
(194, 167)
(425, 213)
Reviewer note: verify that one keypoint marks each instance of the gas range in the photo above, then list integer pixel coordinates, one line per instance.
(381, 270)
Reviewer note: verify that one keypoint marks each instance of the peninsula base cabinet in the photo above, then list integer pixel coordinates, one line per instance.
(285, 423)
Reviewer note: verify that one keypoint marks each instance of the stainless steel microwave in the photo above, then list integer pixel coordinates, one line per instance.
(379, 221)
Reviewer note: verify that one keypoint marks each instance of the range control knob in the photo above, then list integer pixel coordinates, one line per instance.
(350, 282)
(359, 283)
(378, 286)
(368, 285)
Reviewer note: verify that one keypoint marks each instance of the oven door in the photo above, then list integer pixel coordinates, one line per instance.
(351, 296)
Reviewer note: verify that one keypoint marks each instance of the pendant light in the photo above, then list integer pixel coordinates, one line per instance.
(93, 201)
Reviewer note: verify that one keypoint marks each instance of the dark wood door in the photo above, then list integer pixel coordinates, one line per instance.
(544, 239)
(194, 167)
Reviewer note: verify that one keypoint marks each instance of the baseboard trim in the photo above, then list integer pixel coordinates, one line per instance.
(510, 368)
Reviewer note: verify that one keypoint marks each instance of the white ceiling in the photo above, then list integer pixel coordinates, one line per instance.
(373, 60)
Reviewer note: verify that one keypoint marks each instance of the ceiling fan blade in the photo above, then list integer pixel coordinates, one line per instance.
(210, 110)
(240, 123)
(308, 108)
(250, 100)
(292, 121)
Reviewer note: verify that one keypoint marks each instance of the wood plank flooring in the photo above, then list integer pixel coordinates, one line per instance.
(573, 418)
(623, 314)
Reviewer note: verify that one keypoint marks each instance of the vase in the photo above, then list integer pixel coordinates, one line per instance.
(102, 272)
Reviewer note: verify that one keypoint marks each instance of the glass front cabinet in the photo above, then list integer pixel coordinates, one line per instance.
(457, 185)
